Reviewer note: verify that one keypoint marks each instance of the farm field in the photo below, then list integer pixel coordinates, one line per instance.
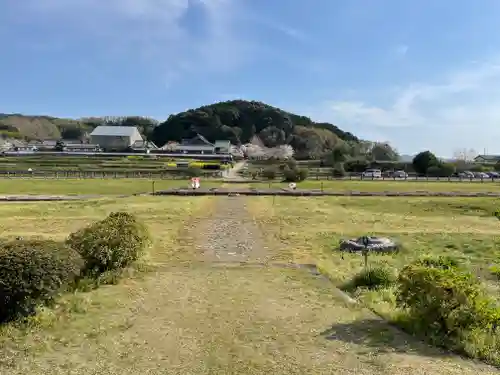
(60, 166)
(308, 231)
(90, 186)
(185, 313)
(388, 185)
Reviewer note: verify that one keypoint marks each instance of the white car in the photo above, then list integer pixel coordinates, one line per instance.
(481, 175)
(400, 174)
(466, 174)
(372, 173)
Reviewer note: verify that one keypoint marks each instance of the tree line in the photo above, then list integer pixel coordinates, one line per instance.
(238, 121)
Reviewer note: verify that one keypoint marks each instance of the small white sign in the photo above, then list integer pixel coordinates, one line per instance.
(292, 185)
(195, 183)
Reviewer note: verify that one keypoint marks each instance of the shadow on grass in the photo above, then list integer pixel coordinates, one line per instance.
(379, 335)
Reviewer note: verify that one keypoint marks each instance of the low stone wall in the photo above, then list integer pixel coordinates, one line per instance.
(319, 193)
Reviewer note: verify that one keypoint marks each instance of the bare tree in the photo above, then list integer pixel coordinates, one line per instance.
(464, 155)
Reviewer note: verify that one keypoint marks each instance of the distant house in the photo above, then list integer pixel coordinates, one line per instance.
(18, 145)
(197, 145)
(487, 159)
(46, 145)
(81, 147)
(222, 147)
(143, 146)
(115, 138)
(200, 145)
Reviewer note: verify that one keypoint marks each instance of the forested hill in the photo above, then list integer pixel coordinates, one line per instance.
(240, 120)
(236, 120)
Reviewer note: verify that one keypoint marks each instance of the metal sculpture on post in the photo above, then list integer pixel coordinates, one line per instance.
(366, 245)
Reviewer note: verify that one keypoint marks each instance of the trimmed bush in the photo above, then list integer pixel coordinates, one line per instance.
(110, 244)
(33, 273)
(372, 278)
(295, 175)
(269, 173)
(446, 302)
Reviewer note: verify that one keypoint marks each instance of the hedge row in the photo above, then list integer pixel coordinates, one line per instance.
(35, 272)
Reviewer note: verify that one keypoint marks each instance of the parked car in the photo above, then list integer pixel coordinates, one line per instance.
(400, 174)
(481, 175)
(466, 174)
(493, 174)
(372, 173)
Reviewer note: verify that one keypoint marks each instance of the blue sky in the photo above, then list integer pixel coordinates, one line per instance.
(419, 74)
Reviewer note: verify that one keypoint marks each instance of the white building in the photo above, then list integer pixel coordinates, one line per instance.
(115, 138)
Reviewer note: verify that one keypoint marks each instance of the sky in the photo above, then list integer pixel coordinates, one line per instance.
(421, 75)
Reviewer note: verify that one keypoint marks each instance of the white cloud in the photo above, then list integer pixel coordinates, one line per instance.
(460, 109)
(161, 31)
(155, 29)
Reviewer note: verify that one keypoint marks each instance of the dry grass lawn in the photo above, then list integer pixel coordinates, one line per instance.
(310, 228)
(308, 231)
(188, 317)
(390, 185)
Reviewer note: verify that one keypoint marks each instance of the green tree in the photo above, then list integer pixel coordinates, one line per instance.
(59, 146)
(383, 152)
(423, 161)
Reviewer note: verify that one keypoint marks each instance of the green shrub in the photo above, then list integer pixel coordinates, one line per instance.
(434, 171)
(33, 273)
(445, 302)
(495, 271)
(295, 175)
(443, 262)
(110, 244)
(371, 278)
(338, 171)
(291, 163)
(269, 173)
(192, 172)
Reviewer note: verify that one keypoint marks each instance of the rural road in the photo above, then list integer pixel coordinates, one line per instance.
(232, 174)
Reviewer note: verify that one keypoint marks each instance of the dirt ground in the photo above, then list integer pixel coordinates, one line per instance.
(196, 314)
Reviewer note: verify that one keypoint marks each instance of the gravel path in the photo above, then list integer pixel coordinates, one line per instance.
(230, 235)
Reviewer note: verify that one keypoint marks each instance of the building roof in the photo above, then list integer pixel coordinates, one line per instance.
(197, 140)
(117, 131)
(488, 157)
(144, 144)
(81, 145)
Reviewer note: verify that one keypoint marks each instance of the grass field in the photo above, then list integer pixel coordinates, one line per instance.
(191, 318)
(309, 230)
(130, 186)
(91, 186)
(389, 185)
